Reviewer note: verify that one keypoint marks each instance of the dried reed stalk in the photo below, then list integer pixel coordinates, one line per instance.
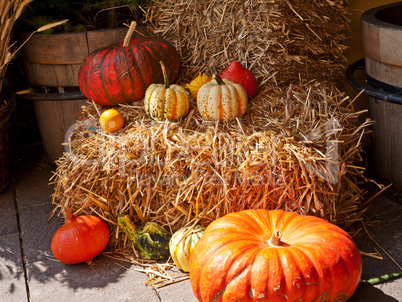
(11, 10)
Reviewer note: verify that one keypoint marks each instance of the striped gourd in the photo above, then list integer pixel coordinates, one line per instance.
(182, 243)
(221, 100)
(164, 101)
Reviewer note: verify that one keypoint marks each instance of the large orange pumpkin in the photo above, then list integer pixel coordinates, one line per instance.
(260, 255)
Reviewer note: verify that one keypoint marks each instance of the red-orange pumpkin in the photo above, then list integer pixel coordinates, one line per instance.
(260, 255)
(121, 74)
(239, 74)
(80, 239)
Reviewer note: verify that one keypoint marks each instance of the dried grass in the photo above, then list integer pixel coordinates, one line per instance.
(159, 274)
(10, 10)
(281, 41)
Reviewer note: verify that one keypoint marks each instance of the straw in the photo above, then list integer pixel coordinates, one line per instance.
(176, 173)
(297, 148)
(286, 42)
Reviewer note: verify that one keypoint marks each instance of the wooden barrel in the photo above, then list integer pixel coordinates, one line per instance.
(52, 63)
(382, 43)
(55, 60)
(54, 118)
(382, 47)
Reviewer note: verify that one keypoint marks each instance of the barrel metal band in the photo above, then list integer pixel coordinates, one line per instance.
(373, 82)
(368, 89)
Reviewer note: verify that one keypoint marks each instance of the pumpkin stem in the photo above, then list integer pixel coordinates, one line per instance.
(219, 80)
(129, 33)
(165, 77)
(67, 214)
(275, 239)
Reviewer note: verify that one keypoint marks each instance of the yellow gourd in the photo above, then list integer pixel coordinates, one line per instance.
(221, 100)
(164, 101)
(196, 84)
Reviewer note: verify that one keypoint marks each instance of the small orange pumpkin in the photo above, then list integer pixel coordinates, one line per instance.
(111, 120)
(80, 239)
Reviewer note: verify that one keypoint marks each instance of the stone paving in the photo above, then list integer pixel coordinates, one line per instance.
(29, 271)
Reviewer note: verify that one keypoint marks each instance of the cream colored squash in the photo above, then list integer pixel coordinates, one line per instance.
(182, 243)
(221, 100)
(164, 101)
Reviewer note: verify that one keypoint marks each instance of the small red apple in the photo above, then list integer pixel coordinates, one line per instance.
(239, 74)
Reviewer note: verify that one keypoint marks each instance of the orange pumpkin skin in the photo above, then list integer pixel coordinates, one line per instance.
(235, 261)
(239, 74)
(80, 239)
(120, 74)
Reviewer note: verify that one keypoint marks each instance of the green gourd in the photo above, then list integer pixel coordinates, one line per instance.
(152, 242)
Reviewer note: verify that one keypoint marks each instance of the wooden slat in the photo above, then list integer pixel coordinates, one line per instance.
(390, 41)
(70, 48)
(382, 41)
(54, 119)
(396, 144)
(382, 143)
(52, 75)
(101, 38)
(66, 75)
(370, 40)
(41, 75)
(383, 72)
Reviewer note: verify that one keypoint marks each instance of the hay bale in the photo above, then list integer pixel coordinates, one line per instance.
(299, 157)
(281, 41)
(296, 148)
